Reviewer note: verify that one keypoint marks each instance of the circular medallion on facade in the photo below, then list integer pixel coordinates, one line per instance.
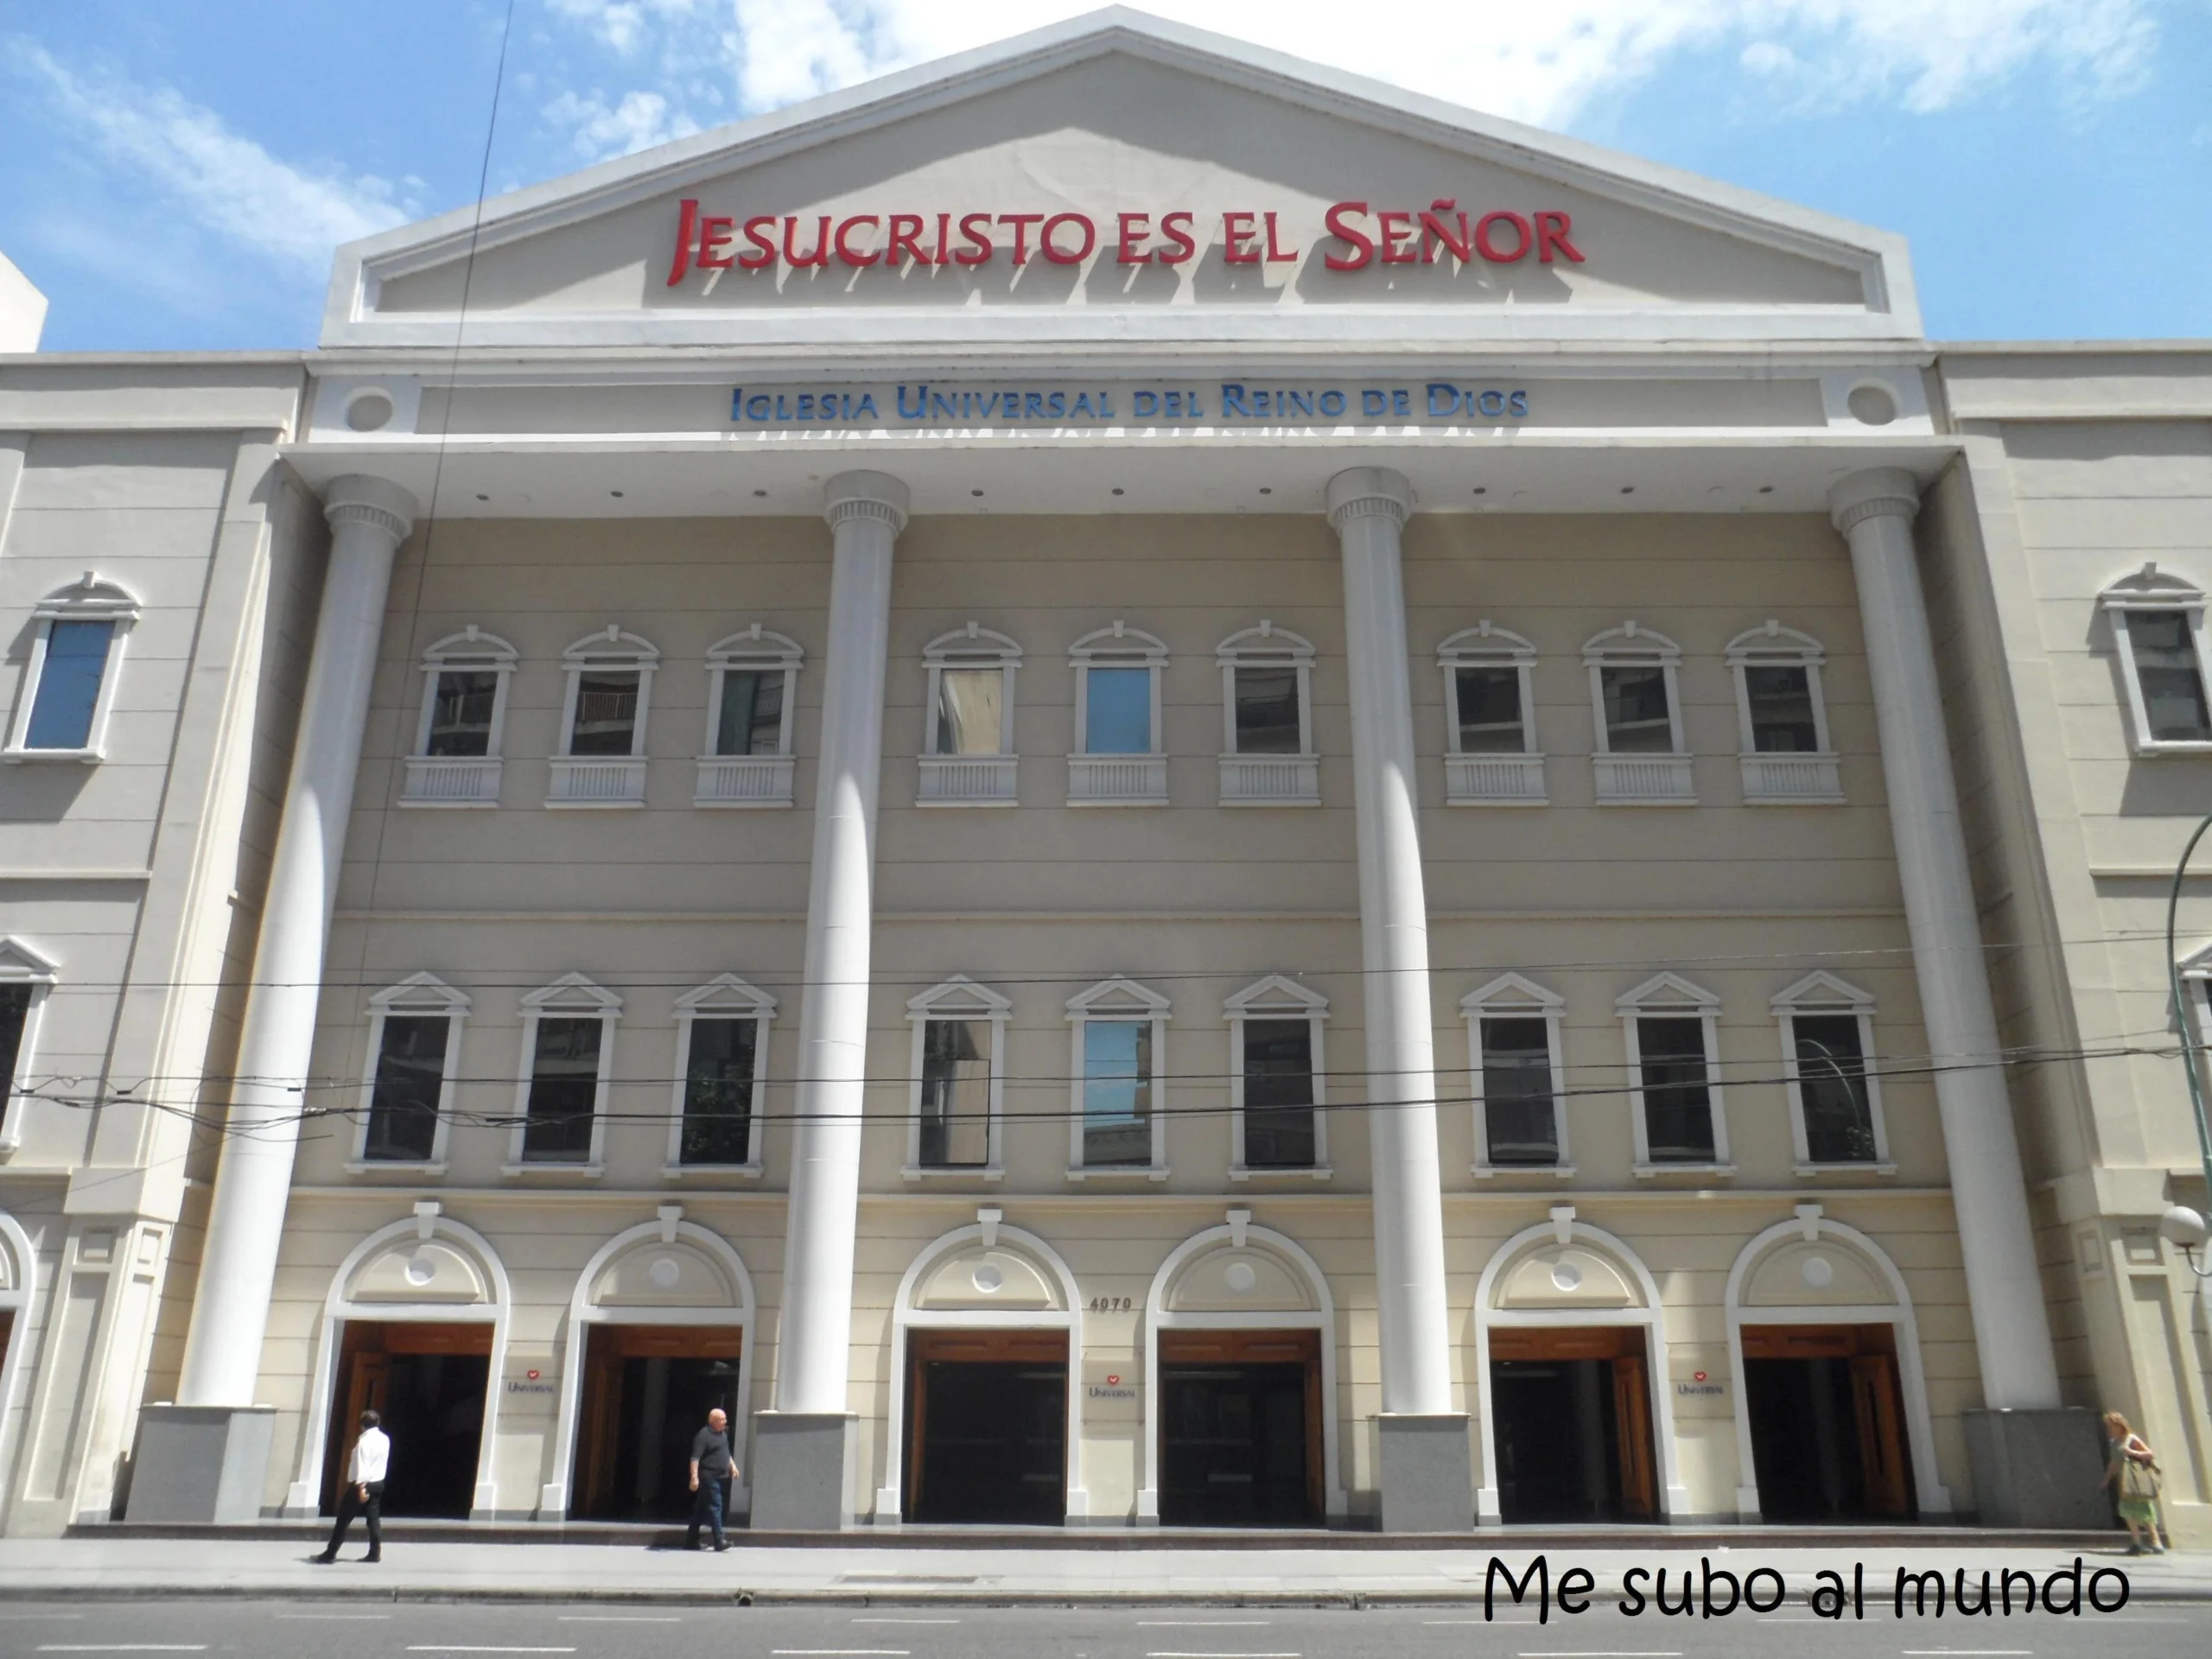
(1240, 1278)
(1872, 405)
(1819, 1272)
(369, 411)
(1566, 1276)
(987, 1278)
(421, 1270)
(664, 1273)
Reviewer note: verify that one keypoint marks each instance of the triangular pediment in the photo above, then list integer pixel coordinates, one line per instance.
(1265, 197)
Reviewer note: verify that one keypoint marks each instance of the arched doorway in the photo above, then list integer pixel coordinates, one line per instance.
(415, 1326)
(1240, 1394)
(660, 1331)
(1570, 1371)
(1832, 1420)
(986, 1413)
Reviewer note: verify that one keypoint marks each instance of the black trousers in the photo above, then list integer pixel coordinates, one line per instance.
(349, 1505)
(709, 1504)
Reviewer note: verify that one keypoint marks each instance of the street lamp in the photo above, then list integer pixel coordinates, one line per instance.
(2181, 1225)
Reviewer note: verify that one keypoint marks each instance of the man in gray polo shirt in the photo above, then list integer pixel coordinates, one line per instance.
(713, 1469)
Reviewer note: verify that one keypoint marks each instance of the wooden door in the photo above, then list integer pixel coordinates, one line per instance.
(598, 1425)
(1875, 1399)
(366, 1374)
(1632, 1418)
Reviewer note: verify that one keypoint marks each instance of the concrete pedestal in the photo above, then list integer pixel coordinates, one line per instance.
(200, 1463)
(1425, 1472)
(800, 1460)
(2038, 1468)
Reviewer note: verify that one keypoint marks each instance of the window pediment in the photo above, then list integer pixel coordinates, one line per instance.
(1668, 993)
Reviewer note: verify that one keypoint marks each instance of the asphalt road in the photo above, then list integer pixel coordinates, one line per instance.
(477, 1631)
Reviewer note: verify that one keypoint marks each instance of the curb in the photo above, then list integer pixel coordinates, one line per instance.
(572, 1596)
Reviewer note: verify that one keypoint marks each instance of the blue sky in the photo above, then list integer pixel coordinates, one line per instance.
(177, 172)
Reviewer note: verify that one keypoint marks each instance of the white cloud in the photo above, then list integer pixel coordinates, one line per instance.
(638, 122)
(1537, 61)
(229, 184)
(624, 24)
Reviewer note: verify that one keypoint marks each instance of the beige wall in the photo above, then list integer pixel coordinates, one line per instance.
(1196, 900)
(162, 477)
(2081, 466)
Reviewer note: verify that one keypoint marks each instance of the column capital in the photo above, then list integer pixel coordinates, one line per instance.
(1370, 492)
(1878, 492)
(358, 499)
(864, 495)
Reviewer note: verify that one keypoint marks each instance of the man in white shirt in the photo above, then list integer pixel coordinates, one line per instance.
(363, 1492)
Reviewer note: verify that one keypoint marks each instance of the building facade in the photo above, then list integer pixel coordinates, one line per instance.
(1128, 784)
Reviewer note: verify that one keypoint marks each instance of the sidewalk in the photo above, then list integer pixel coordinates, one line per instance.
(859, 1571)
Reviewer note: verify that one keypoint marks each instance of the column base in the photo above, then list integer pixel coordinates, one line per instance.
(200, 1464)
(1425, 1472)
(801, 1465)
(2038, 1468)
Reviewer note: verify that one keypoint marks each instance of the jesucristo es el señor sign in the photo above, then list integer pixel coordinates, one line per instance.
(1358, 236)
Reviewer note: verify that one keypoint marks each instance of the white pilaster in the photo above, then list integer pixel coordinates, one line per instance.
(368, 518)
(866, 512)
(1874, 509)
(1367, 506)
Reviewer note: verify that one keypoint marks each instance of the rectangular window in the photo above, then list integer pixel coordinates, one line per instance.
(956, 1094)
(563, 1090)
(15, 1014)
(1677, 1096)
(1267, 711)
(607, 712)
(69, 685)
(1832, 1085)
(1117, 1093)
(970, 710)
(1781, 698)
(461, 712)
(410, 1076)
(2166, 667)
(1117, 711)
(1637, 719)
(752, 717)
(718, 1092)
(1489, 710)
(1278, 1094)
(1518, 1112)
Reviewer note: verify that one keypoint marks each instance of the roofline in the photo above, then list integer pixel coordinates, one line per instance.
(2071, 348)
(254, 357)
(1882, 254)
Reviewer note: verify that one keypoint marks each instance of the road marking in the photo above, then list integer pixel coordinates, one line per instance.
(124, 1647)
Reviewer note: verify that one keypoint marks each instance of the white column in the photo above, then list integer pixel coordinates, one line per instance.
(368, 518)
(866, 512)
(1874, 509)
(1367, 506)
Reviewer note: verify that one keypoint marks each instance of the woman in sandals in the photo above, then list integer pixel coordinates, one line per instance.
(2131, 1470)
